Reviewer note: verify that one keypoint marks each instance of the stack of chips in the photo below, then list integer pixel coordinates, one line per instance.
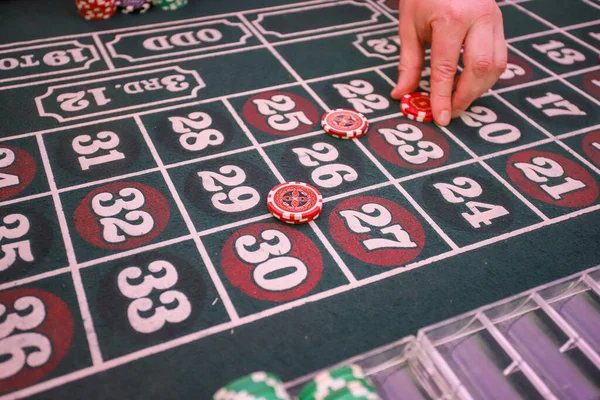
(256, 386)
(417, 106)
(134, 6)
(343, 383)
(96, 9)
(169, 4)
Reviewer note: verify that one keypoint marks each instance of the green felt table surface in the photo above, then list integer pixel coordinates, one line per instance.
(138, 256)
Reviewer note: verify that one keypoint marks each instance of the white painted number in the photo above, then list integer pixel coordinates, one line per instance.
(408, 140)
(86, 146)
(461, 188)
(76, 101)
(16, 226)
(18, 348)
(512, 71)
(108, 207)
(359, 94)
(490, 130)
(541, 169)
(141, 304)
(269, 257)
(561, 106)
(557, 52)
(385, 46)
(7, 158)
(240, 198)
(195, 132)
(329, 175)
(278, 110)
(377, 216)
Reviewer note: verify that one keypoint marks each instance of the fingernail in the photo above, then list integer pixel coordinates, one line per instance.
(444, 118)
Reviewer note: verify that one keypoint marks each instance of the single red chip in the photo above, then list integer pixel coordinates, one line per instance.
(417, 106)
(295, 202)
(345, 124)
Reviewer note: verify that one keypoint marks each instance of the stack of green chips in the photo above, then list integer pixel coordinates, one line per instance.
(344, 383)
(256, 386)
(169, 4)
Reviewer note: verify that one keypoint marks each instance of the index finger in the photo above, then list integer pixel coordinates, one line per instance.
(446, 42)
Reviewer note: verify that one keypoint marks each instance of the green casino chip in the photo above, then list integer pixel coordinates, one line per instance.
(329, 382)
(359, 389)
(256, 386)
(169, 4)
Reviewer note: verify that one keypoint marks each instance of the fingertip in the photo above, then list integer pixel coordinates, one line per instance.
(396, 93)
(444, 118)
(457, 113)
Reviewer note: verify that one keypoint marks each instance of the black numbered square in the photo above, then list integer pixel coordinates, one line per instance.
(331, 165)
(30, 239)
(469, 204)
(558, 52)
(21, 169)
(193, 132)
(367, 93)
(224, 190)
(489, 126)
(279, 114)
(145, 299)
(551, 178)
(120, 216)
(407, 147)
(96, 152)
(555, 106)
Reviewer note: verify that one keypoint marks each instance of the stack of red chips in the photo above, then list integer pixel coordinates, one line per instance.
(96, 9)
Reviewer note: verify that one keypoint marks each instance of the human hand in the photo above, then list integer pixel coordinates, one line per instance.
(446, 25)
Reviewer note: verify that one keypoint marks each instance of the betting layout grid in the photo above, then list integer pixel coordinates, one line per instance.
(524, 156)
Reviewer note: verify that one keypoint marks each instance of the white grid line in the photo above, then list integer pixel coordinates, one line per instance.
(102, 50)
(552, 26)
(325, 200)
(260, 90)
(80, 374)
(496, 175)
(547, 133)
(233, 315)
(197, 335)
(84, 309)
(553, 74)
(338, 260)
(376, 162)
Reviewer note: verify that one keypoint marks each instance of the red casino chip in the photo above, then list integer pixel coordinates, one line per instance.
(417, 106)
(295, 202)
(96, 9)
(345, 124)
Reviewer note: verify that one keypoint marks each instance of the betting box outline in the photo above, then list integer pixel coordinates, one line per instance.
(200, 85)
(95, 57)
(243, 40)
